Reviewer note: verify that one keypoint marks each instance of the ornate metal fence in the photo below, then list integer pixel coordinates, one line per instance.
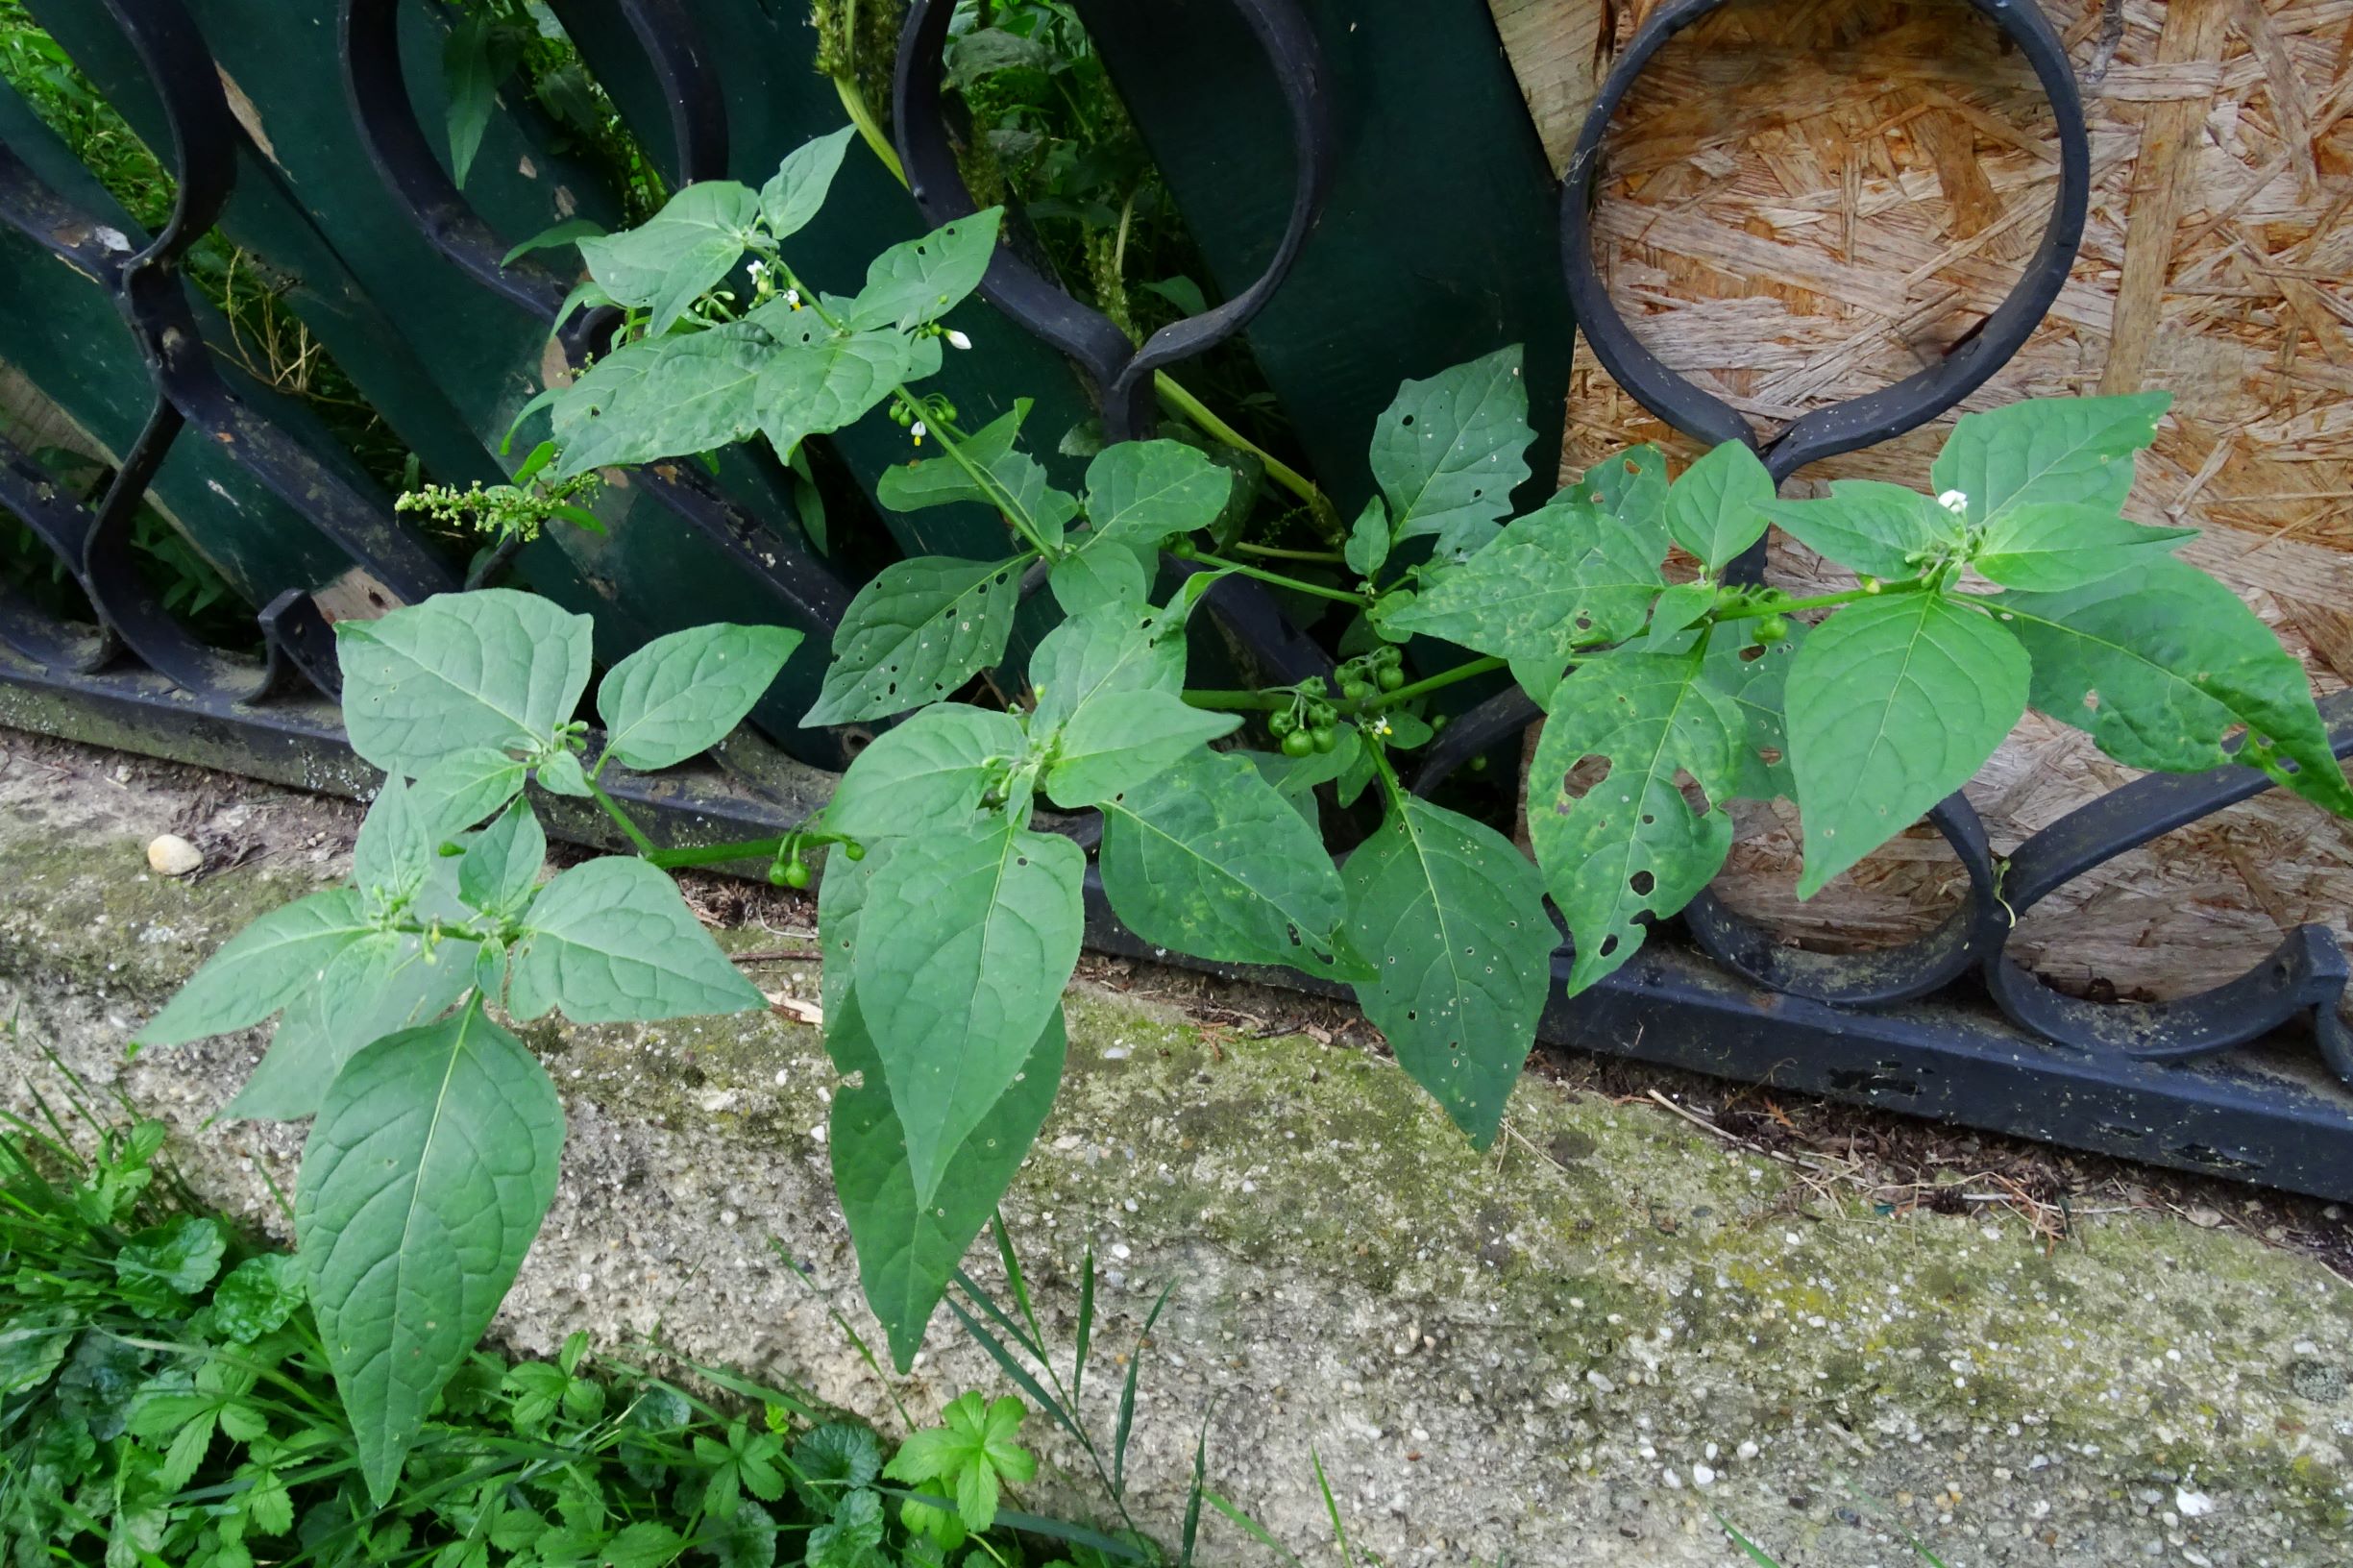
(300, 135)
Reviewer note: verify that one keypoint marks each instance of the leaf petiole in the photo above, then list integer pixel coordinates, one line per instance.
(1340, 596)
(612, 808)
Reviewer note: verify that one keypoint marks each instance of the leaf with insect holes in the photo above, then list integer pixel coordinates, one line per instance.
(1630, 844)
(2073, 450)
(920, 630)
(1556, 579)
(1451, 916)
(1756, 679)
(929, 771)
(1449, 451)
(492, 668)
(1630, 490)
(424, 1181)
(796, 192)
(2158, 664)
(1868, 526)
(2052, 547)
(1117, 739)
(1892, 704)
(672, 259)
(661, 397)
(1100, 652)
(1716, 508)
(815, 380)
(919, 281)
(261, 968)
(910, 1248)
(612, 941)
(1210, 859)
(680, 695)
(967, 937)
(383, 983)
(1144, 492)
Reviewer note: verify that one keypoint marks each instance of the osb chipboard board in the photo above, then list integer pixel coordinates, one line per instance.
(1803, 202)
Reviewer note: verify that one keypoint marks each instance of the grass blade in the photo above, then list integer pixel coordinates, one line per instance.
(1127, 1400)
(1756, 1553)
(1332, 1506)
(1251, 1528)
(1015, 1370)
(1086, 1325)
(997, 1315)
(1192, 1496)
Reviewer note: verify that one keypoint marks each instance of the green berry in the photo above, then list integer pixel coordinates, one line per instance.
(1284, 722)
(1323, 737)
(853, 850)
(796, 874)
(1298, 743)
(1479, 763)
(1391, 677)
(1437, 722)
(1772, 629)
(1356, 691)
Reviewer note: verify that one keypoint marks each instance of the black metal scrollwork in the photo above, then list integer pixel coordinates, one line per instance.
(144, 284)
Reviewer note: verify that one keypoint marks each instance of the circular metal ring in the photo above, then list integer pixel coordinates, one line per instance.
(1876, 416)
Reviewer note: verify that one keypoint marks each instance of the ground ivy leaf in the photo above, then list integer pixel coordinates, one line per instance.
(1892, 704)
(817, 380)
(1630, 844)
(1869, 526)
(1117, 739)
(261, 968)
(2075, 451)
(383, 983)
(1145, 492)
(796, 192)
(967, 938)
(909, 1248)
(920, 630)
(919, 281)
(1717, 509)
(930, 770)
(1451, 918)
(424, 1181)
(672, 259)
(1210, 859)
(464, 788)
(612, 939)
(680, 695)
(492, 669)
(1756, 679)
(661, 397)
(2051, 547)
(1449, 451)
(501, 867)
(1629, 489)
(1560, 576)
(2160, 663)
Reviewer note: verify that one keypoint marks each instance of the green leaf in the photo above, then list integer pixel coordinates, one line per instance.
(797, 191)
(1631, 844)
(1629, 489)
(973, 1446)
(33, 1345)
(1210, 859)
(674, 258)
(424, 1181)
(942, 482)
(1756, 679)
(385, 981)
(1561, 577)
(681, 694)
(464, 788)
(2073, 450)
(261, 968)
(1451, 918)
(1100, 572)
(852, 1537)
(1118, 740)
(920, 630)
(840, 902)
(2160, 663)
(927, 773)
(1894, 704)
(559, 772)
(492, 669)
(395, 850)
(919, 281)
(258, 1296)
(2052, 547)
(1368, 539)
(1147, 491)
(566, 233)
(611, 941)
(1882, 529)
(466, 76)
(817, 379)
(1717, 509)
(663, 397)
(179, 1256)
(967, 939)
(909, 1249)
(1448, 452)
(1100, 652)
(501, 867)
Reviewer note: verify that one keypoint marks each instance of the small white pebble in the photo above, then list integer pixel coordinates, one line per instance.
(1702, 1476)
(171, 855)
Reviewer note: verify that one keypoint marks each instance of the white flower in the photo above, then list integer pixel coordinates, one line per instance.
(919, 432)
(957, 339)
(756, 268)
(1381, 727)
(1955, 501)
(791, 297)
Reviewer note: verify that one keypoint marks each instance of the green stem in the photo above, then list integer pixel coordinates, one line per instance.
(717, 854)
(1390, 786)
(1322, 557)
(1239, 702)
(1820, 601)
(869, 129)
(1423, 688)
(1319, 505)
(1279, 580)
(612, 808)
